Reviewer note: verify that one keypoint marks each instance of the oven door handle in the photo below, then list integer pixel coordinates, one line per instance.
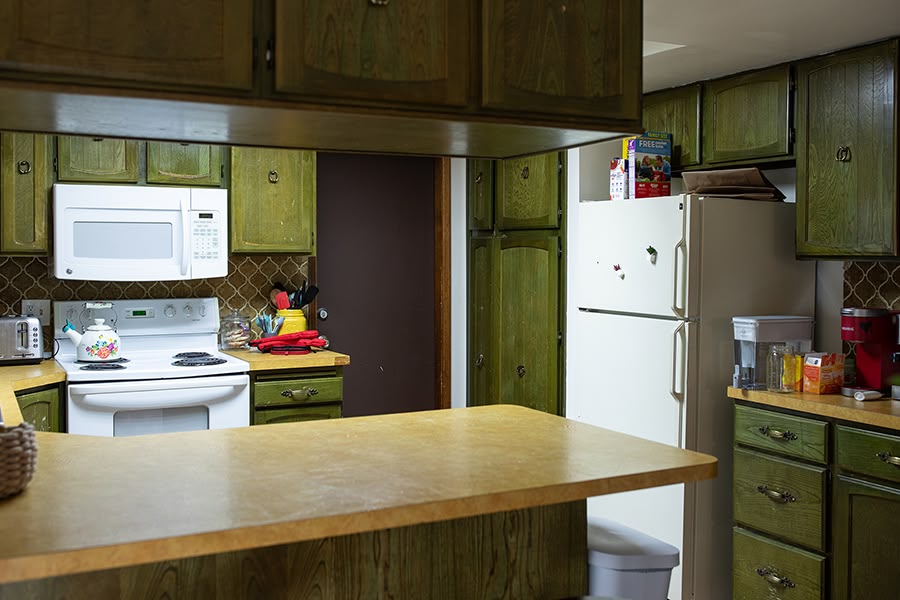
(159, 384)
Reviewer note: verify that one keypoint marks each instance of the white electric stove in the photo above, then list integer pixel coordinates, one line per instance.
(171, 376)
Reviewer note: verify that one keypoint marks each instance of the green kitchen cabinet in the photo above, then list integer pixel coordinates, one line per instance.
(375, 52)
(677, 111)
(866, 505)
(747, 116)
(184, 164)
(528, 194)
(97, 159)
(847, 161)
(571, 59)
(26, 181)
(272, 200)
(514, 318)
(296, 395)
(169, 44)
(766, 568)
(480, 191)
(41, 407)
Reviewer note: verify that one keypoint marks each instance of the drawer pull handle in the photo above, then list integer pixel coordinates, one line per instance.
(292, 393)
(889, 458)
(777, 434)
(772, 576)
(775, 495)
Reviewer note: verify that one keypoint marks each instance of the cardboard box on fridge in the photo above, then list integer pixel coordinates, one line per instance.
(618, 179)
(823, 373)
(649, 164)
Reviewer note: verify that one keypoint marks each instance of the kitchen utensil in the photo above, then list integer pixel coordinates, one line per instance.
(21, 340)
(282, 301)
(98, 343)
(309, 295)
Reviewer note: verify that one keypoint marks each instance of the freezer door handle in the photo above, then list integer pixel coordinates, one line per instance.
(678, 333)
(679, 286)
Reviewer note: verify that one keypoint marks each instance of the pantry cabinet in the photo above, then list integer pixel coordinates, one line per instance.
(575, 59)
(184, 164)
(677, 111)
(41, 407)
(528, 194)
(272, 200)
(299, 395)
(170, 44)
(97, 159)
(375, 52)
(480, 190)
(815, 505)
(748, 116)
(847, 194)
(26, 180)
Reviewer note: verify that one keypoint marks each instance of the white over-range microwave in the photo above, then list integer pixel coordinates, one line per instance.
(139, 232)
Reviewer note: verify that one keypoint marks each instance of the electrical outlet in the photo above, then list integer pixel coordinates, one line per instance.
(37, 308)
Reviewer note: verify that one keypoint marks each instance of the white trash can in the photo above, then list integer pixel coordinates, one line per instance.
(625, 563)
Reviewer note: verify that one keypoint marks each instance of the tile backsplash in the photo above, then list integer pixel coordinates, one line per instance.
(872, 284)
(245, 288)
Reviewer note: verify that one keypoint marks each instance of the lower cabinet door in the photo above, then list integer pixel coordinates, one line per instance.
(293, 415)
(764, 568)
(41, 409)
(866, 541)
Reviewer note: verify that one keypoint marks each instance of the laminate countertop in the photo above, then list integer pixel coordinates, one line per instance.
(14, 378)
(879, 413)
(98, 503)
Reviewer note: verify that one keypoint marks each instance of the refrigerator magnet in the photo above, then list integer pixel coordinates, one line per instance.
(617, 269)
(651, 255)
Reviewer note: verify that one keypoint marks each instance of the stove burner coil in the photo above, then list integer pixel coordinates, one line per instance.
(106, 362)
(107, 366)
(199, 362)
(192, 355)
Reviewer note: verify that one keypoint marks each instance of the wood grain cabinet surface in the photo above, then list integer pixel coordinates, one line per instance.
(481, 192)
(97, 159)
(41, 408)
(184, 164)
(26, 181)
(291, 396)
(528, 192)
(847, 161)
(166, 43)
(414, 53)
(677, 111)
(577, 59)
(272, 200)
(747, 116)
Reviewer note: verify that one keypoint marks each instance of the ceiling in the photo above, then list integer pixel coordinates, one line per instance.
(721, 37)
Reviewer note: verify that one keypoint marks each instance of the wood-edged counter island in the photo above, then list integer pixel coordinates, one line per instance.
(463, 503)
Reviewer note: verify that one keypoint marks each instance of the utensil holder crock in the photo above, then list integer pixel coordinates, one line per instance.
(294, 321)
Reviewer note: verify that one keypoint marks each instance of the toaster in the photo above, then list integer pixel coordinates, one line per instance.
(21, 340)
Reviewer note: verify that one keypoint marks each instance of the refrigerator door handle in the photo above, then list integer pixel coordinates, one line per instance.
(679, 285)
(678, 333)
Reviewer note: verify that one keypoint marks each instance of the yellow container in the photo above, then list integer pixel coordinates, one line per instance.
(294, 321)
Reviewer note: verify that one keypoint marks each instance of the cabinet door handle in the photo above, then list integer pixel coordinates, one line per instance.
(300, 393)
(479, 361)
(379, 2)
(525, 173)
(775, 495)
(521, 370)
(273, 176)
(889, 458)
(478, 177)
(842, 154)
(776, 434)
(23, 167)
(772, 576)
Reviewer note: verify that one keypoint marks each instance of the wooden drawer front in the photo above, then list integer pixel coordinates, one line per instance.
(296, 414)
(869, 453)
(290, 392)
(780, 497)
(759, 562)
(787, 434)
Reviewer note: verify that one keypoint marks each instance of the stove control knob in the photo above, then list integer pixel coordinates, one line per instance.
(170, 311)
(201, 310)
(188, 310)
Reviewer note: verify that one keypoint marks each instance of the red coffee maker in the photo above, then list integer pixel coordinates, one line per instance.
(875, 332)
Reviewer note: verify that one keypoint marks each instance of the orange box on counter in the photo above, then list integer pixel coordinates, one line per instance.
(823, 373)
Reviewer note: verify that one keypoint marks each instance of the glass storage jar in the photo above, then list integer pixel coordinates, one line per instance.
(780, 369)
(234, 331)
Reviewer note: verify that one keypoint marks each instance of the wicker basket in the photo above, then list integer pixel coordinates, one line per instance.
(18, 456)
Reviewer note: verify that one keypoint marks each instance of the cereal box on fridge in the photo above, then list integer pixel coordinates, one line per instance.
(618, 179)
(649, 165)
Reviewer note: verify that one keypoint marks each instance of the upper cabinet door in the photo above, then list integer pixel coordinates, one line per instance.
(376, 52)
(528, 194)
(677, 111)
(480, 193)
(26, 178)
(847, 193)
(579, 58)
(748, 116)
(273, 200)
(184, 164)
(206, 44)
(97, 159)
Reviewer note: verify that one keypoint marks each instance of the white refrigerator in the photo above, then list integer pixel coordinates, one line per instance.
(651, 349)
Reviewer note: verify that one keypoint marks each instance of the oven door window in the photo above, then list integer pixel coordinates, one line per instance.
(160, 420)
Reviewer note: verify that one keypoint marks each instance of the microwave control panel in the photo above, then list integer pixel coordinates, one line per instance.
(207, 235)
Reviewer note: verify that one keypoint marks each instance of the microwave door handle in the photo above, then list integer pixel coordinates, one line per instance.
(185, 235)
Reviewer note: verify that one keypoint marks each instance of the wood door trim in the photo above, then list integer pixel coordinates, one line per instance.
(442, 282)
